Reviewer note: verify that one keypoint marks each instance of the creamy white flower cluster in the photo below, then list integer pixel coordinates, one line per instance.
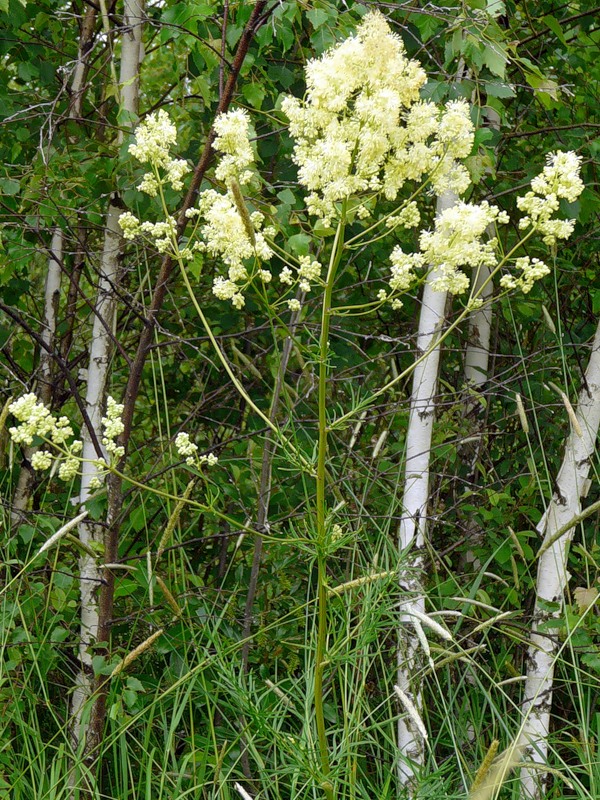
(307, 272)
(153, 140)
(230, 231)
(233, 237)
(161, 233)
(233, 140)
(113, 428)
(531, 270)
(36, 420)
(456, 241)
(408, 217)
(362, 128)
(559, 179)
(188, 450)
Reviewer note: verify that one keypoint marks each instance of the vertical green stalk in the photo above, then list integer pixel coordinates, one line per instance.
(321, 549)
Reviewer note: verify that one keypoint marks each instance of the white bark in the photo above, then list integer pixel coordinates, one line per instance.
(97, 376)
(477, 357)
(26, 478)
(51, 300)
(89, 533)
(477, 353)
(131, 58)
(480, 320)
(552, 576)
(414, 516)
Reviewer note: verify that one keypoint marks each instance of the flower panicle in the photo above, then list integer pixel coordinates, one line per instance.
(35, 420)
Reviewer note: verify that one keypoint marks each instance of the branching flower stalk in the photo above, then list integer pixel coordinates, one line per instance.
(361, 136)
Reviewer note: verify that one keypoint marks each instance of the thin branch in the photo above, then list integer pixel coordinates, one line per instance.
(550, 129)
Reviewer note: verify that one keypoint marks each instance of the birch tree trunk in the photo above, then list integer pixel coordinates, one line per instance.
(477, 354)
(102, 337)
(412, 530)
(26, 480)
(477, 357)
(89, 532)
(552, 575)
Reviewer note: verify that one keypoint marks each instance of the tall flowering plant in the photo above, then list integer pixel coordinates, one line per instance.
(371, 157)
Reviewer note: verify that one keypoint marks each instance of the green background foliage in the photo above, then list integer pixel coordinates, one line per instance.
(188, 719)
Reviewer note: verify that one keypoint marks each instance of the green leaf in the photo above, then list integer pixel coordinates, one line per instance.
(546, 90)
(96, 506)
(496, 7)
(501, 90)
(435, 91)
(135, 684)
(130, 698)
(27, 71)
(591, 660)
(137, 518)
(318, 17)
(99, 665)
(26, 533)
(474, 51)
(495, 58)
(254, 93)
(59, 634)
(300, 244)
(554, 25)
(9, 187)
(287, 197)
(478, 166)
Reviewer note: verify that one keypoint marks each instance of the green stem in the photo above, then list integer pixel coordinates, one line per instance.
(322, 594)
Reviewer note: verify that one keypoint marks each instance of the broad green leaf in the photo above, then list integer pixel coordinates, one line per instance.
(254, 93)
(555, 27)
(495, 59)
(300, 244)
(502, 90)
(9, 187)
(318, 17)
(546, 89)
(496, 7)
(59, 634)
